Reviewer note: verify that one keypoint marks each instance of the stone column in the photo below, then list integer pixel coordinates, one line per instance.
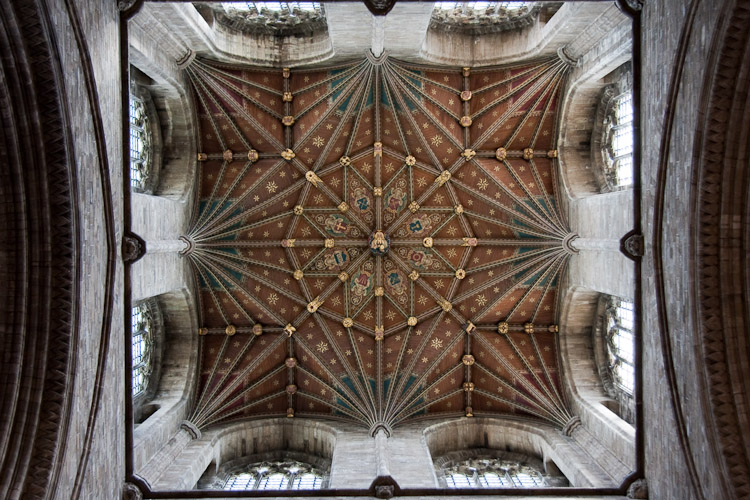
(166, 246)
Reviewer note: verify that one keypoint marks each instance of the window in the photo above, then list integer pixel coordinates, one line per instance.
(619, 144)
(140, 145)
(272, 6)
(276, 476)
(492, 473)
(620, 343)
(142, 324)
(486, 7)
(480, 18)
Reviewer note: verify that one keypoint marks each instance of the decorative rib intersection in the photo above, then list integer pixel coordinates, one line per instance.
(378, 241)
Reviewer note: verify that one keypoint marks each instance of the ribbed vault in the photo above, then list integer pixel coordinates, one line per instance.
(378, 241)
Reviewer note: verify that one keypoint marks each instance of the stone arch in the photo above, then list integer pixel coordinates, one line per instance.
(154, 70)
(254, 440)
(539, 441)
(719, 250)
(139, 83)
(280, 39)
(533, 34)
(142, 405)
(579, 318)
(596, 69)
(170, 401)
(50, 134)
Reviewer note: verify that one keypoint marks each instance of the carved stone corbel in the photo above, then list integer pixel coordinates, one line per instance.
(131, 492)
(632, 245)
(133, 248)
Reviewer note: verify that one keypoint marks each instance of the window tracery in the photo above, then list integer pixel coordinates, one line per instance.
(619, 141)
(619, 321)
(280, 475)
(615, 355)
(491, 468)
(484, 17)
(141, 145)
(272, 6)
(143, 318)
(268, 18)
(493, 473)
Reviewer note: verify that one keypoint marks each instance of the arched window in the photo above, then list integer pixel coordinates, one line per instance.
(271, 6)
(141, 145)
(490, 468)
(483, 17)
(144, 320)
(492, 473)
(271, 18)
(614, 353)
(619, 337)
(618, 141)
(284, 475)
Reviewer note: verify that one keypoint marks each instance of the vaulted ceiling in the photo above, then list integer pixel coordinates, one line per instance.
(378, 241)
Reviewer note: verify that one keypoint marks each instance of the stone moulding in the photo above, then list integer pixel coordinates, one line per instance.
(40, 255)
(720, 251)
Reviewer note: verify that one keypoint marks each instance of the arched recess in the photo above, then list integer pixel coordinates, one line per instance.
(272, 39)
(40, 253)
(309, 441)
(201, 29)
(602, 65)
(555, 450)
(547, 28)
(140, 97)
(720, 253)
(465, 468)
(579, 317)
(177, 377)
(153, 59)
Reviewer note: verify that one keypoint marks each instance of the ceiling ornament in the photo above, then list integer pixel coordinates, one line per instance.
(399, 238)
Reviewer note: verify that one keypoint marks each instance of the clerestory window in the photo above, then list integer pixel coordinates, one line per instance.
(272, 6)
(620, 343)
(485, 7)
(141, 146)
(143, 325)
(619, 143)
(492, 473)
(286, 475)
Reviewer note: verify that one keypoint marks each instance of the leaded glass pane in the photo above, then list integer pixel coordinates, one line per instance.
(276, 476)
(457, 480)
(140, 144)
(620, 343)
(141, 341)
(621, 141)
(240, 482)
(492, 473)
(276, 481)
(272, 6)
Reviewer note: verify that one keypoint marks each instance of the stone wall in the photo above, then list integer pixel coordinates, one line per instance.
(187, 460)
(161, 270)
(598, 54)
(600, 221)
(685, 441)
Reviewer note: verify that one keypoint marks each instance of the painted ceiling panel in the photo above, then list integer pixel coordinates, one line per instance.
(378, 242)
